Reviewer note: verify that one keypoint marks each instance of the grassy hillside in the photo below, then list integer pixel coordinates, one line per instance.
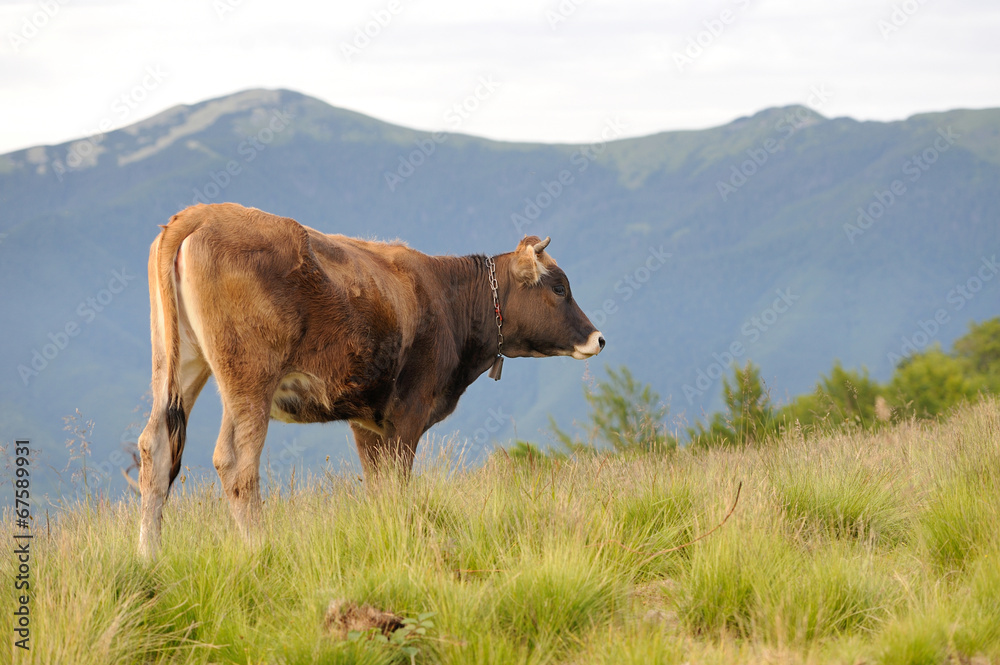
(845, 548)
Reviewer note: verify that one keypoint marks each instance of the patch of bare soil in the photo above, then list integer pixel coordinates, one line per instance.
(656, 600)
(344, 616)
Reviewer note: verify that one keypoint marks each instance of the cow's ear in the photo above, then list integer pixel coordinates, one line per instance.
(530, 260)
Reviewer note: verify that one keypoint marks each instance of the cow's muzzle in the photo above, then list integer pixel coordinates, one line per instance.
(592, 347)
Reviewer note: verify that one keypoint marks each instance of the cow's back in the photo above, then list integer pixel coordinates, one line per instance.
(231, 237)
(333, 314)
(322, 275)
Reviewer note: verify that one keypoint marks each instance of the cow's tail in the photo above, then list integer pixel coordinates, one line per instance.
(165, 320)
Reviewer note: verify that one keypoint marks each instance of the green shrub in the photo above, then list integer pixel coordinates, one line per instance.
(624, 415)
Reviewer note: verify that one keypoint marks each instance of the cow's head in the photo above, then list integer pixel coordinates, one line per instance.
(540, 316)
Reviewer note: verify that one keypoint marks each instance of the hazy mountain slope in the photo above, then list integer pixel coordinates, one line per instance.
(77, 214)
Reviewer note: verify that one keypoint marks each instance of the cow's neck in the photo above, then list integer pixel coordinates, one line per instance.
(470, 298)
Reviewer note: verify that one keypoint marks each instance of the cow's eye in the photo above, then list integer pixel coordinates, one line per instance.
(559, 290)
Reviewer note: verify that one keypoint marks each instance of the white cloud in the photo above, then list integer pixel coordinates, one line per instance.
(607, 58)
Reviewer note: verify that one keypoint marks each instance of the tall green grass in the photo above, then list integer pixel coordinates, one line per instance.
(876, 548)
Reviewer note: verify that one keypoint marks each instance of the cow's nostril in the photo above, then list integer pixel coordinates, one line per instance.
(600, 341)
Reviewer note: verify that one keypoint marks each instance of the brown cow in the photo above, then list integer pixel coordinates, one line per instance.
(305, 327)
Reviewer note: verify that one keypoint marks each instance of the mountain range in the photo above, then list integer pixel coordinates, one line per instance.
(786, 237)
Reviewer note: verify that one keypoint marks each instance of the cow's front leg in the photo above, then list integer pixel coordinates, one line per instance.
(392, 451)
(370, 446)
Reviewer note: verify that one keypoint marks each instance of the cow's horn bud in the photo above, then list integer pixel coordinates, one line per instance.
(540, 247)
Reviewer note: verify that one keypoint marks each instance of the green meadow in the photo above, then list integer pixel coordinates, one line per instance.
(848, 546)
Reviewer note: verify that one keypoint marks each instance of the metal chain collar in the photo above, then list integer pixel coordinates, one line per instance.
(496, 302)
(498, 362)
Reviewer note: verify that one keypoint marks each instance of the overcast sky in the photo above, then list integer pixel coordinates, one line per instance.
(557, 70)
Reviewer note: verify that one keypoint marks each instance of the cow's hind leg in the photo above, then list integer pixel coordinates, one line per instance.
(237, 459)
(154, 475)
(162, 441)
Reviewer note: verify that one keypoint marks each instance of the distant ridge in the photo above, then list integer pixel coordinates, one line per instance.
(755, 216)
